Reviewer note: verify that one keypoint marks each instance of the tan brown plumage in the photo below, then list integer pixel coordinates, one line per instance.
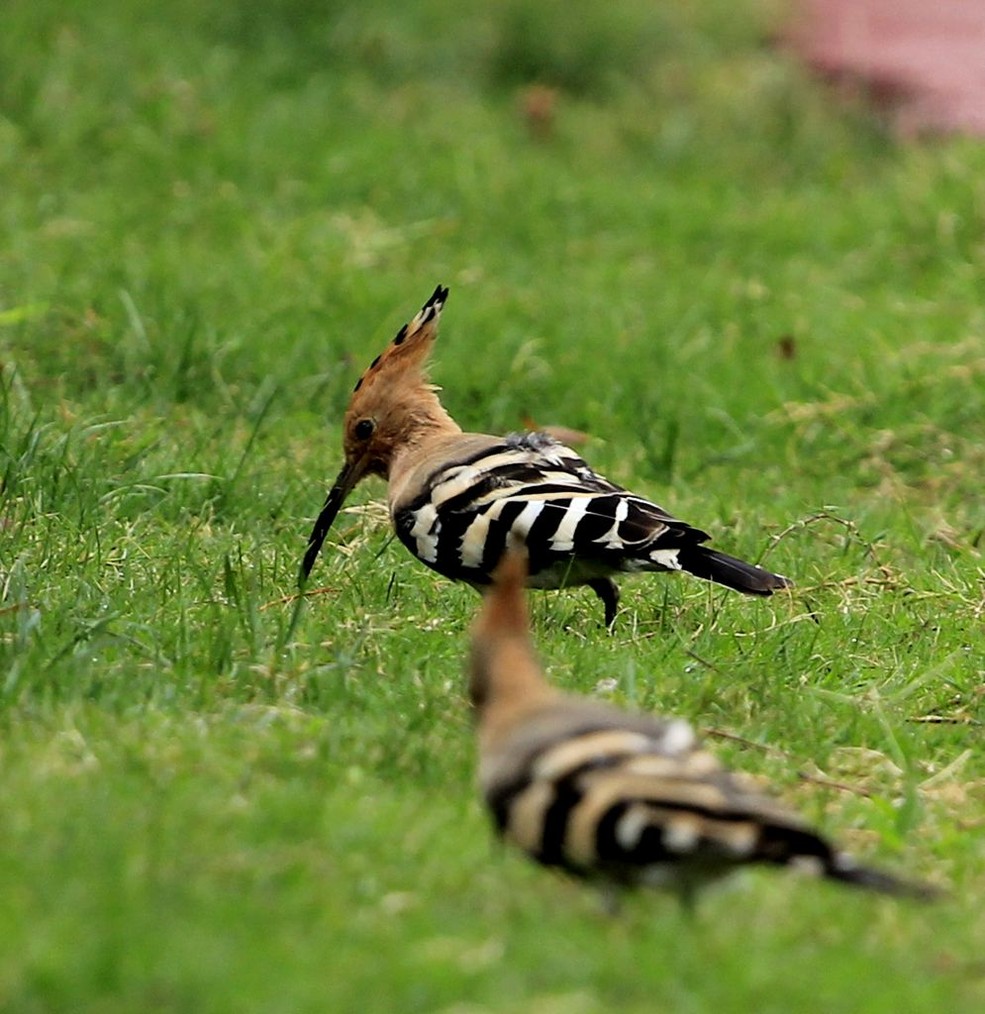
(456, 498)
(625, 798)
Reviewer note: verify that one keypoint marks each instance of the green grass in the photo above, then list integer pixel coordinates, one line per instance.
(213, 216)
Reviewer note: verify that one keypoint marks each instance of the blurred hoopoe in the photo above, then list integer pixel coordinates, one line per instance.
(456, 498)
(626, 799)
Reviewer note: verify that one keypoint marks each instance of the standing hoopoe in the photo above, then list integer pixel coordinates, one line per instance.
(456, 498)
(628, 799)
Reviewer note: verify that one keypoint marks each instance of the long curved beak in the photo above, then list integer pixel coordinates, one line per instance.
(351, 474)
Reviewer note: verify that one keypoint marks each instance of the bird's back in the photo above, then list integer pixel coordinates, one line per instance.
(458, 511)
(602, 792)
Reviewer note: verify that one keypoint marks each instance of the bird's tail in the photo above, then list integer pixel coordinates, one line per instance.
(846, 870)
(799, 847)
(731, 572)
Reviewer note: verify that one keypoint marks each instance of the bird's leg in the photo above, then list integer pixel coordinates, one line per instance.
(610, 899)
(687, 895)
(608, 592)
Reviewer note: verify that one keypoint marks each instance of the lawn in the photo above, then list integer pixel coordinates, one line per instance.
(766, 314)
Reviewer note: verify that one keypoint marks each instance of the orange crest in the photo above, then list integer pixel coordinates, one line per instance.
(406, 356)
(393, 396)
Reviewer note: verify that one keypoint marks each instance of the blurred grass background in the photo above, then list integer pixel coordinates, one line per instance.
(656, 228)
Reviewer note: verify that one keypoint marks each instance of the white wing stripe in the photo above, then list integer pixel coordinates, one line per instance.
(455, 481)
(474, 541)
(425, 532)
(563, 540)
(526, 518)
(666, 558)
(458, 479)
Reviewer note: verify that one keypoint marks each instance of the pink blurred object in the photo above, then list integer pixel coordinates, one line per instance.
(925, 59)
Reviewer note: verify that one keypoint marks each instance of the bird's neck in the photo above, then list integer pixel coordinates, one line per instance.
(506, 681)
(422, 417)
(425, 433)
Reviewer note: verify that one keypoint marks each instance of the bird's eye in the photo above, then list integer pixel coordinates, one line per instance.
(364, 429)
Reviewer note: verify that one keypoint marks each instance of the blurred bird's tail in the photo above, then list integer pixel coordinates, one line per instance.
(799, 847)
(845, 870)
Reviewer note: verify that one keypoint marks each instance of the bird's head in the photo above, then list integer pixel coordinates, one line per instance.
(390, 405)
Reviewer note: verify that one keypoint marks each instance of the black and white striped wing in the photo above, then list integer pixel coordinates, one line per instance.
(639, 806)
(575, 524)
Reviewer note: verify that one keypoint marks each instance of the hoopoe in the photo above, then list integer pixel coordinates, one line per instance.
(624, 799)
(456, 498)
